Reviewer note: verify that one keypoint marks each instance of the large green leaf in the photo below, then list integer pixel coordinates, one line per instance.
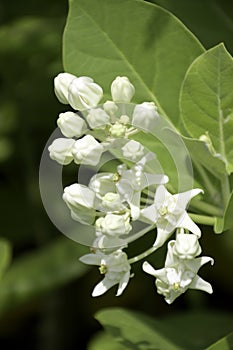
(225, 223)
(225, 343)
(207, 102)
(188, 330)
(107, 38)
(40, 271)
(132, 330)
(210, 21)
(5, 255)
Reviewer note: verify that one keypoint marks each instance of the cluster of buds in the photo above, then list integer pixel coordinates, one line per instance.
(113, 202)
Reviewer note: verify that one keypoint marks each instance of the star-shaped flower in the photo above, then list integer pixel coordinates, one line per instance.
(114, 266)
(169, 212)
(178, 275)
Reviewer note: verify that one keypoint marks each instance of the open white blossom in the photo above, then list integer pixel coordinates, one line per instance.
(178, 275)
(114, 225)
(132, 181)
(61, 150)
(122, 90)
(186, 246)
(87, 151)
(81, 201)
(169, 212)
(145, 115)
(71, 124)
(114, 266)
(98, 118)
(133, 150)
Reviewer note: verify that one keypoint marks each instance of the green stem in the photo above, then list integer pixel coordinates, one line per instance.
(202, 219)
(206, 207)
(226, 191)
(142, 255)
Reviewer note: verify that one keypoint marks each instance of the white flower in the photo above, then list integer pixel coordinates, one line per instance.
(113, 225)
(80, 200)
(98, 118)
(145, 115)
(168, 212)
(112, 202)
(84, 93)
(71, 124)
(186, 246)
(178, 275)
(103, 183)
(132, 181)
(87, 151)
(114, 266)
(61, 85)
(122, 90)
(133, 150)
(61, 150)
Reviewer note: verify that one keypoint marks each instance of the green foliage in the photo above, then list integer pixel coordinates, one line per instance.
(137, 331)
(5, 255)
(97, 34)
(206, 103)
(38, 272)
(225, 343)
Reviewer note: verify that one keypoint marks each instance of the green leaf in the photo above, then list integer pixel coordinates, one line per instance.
(200, 152)
(225, 343)
(225, 223)
(104, 341)
(130, 330)
(210, 21)
(187, 330)
(5, 255)
(107, 38)
(206, 102)
(41, 271)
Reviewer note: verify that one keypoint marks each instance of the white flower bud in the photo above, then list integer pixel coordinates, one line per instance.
(80, 200)
(112, 202)
(98, 118)
(118, 130)
(87, 151)
(84, 93)
(186, 246)
(113, 225)
(61, 84)
(61, 150)
(122, 90)
(145, 115)
(124, 119)
(133, 150)
(102, 183)
(110, 107)
(71, 124)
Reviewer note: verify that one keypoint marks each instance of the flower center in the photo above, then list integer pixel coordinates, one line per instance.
(176, 286)
(163, 210)
(103, 269)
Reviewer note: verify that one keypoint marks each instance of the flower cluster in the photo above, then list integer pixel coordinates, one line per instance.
(112, 202)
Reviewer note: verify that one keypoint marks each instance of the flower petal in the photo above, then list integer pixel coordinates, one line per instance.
(103, 286)
(199, 283)
(91, 259)
(123, 283)
(186, 222)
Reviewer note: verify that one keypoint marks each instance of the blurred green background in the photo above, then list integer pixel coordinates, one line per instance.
(45, 300)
